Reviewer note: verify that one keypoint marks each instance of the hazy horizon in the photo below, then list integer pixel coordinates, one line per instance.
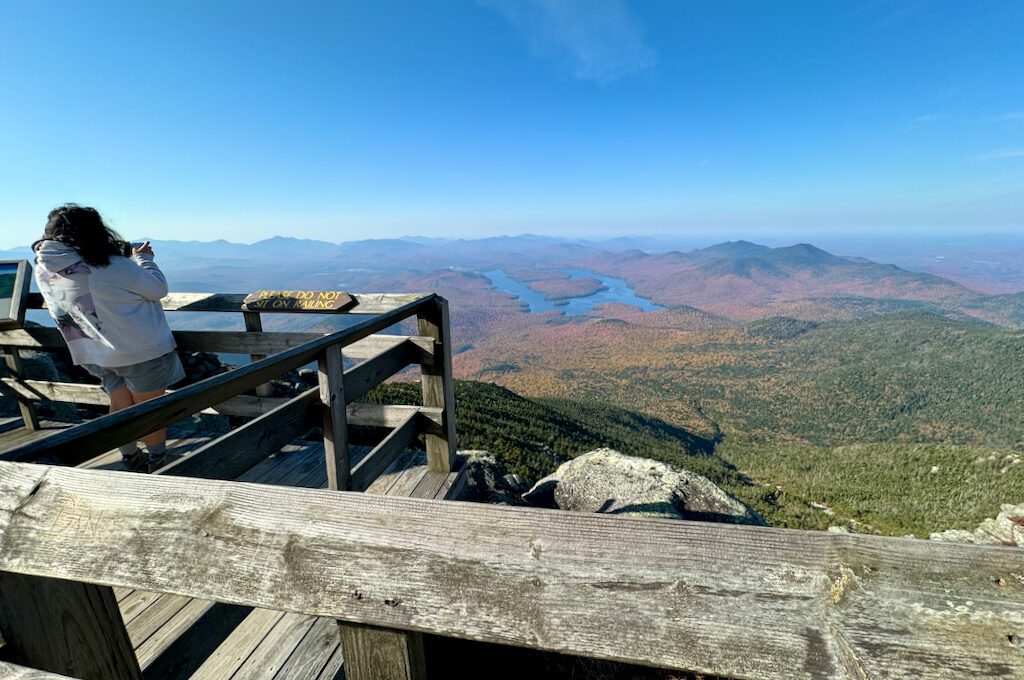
(771, 240)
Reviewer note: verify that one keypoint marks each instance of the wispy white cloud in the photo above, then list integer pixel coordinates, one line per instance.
(596, 40)
(1001, 154)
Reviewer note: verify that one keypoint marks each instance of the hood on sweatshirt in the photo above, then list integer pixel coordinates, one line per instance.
(55, 256)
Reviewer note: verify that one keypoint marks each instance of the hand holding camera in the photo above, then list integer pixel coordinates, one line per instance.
(143, 249)
(130, 249)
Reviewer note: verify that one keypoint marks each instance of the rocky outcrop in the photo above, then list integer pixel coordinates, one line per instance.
(200, 366)
(610, 482)
(1007, 528)
(487, 481)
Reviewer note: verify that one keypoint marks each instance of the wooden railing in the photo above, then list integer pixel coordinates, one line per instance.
(277, 421)
(738, 601)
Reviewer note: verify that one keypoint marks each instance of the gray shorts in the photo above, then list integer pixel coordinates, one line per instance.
(148, 376)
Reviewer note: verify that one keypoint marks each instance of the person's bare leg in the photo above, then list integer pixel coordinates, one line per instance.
(121, 398)
(158, 438)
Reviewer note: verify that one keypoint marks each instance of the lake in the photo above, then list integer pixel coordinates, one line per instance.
(617, 291)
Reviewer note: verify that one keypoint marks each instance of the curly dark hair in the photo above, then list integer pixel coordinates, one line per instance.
(83, 229)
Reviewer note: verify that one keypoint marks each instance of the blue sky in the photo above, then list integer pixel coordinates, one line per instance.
(378, 118)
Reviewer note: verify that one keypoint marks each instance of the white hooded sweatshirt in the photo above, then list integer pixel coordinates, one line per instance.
(109, 316)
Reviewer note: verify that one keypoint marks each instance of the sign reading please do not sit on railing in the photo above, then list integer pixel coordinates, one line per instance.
(298, 300)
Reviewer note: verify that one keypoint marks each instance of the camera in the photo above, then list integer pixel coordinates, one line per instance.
(127, 246)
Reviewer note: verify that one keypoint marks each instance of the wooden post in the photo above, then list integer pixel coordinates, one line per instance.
(332, 394)
(65, 627)
(254, 324)
(17, 371)
(438, 386)
(382, 654)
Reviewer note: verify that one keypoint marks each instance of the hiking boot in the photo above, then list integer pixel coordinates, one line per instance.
(157, 463)
(135, 462)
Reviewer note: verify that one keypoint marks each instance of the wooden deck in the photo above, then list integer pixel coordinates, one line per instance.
(183, 437)
(180, 637)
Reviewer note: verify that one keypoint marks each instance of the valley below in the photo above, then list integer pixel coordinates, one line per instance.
(822, 390)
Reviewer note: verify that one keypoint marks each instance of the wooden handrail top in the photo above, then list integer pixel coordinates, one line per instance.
(739, 601)
(233, 342)
(366, 303)
(112, 430)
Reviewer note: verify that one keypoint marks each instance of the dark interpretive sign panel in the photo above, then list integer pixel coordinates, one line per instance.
(298, 301)
(14, 284)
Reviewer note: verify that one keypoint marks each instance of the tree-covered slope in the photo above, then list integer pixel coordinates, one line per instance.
(910, 377)
(531, 437)
(887, 488)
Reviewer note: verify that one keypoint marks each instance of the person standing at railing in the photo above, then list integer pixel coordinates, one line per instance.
(105, 296)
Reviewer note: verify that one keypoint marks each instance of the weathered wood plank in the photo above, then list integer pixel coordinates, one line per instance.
(371, 346)
(660, 592)
(372, 652)
(180, 621)
(385, 453)
(266, 343)
(390, 417)
(17, 371)
(234, 342)
(455, 488)
(370, 415)
(154, 617)
(245, 405)
(95, 437)
(332, 392)
(272, 653)
(363, 377)
(241, 405)
(135, 603)
(57, 391)
(10, 671)
(182, 645)
(238, 646)
(366, 303)
(19, 437)
(380, 654)
(280, 465)
(334, 669)
(430, 485)
(392, 474)
(253, 324)
(235, 452)
(64, 627)
(438, 386)
(313, 653)
(409, 478)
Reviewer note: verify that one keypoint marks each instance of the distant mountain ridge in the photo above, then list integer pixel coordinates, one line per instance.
(745, 281)
(741, 279)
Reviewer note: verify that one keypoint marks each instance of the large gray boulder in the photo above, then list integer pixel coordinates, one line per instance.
(1007, 528)
(610, 482)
